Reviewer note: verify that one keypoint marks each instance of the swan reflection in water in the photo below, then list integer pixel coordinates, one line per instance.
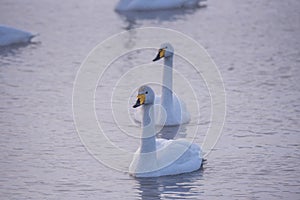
(170, 187)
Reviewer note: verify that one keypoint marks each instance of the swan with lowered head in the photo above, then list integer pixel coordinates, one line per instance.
(160, 157)
(10, 36)
(175, 109)
(139, 5)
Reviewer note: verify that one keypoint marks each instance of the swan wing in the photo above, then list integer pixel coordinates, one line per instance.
(178, 156)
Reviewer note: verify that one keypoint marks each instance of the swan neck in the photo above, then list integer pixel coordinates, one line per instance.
(167, 94)
(167, 73)
(148, 143)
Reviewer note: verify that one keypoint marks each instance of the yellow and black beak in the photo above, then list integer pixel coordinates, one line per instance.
(140, 100)
(161, 54)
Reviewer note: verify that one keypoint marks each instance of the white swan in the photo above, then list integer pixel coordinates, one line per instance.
(136, 5)
(159, 157)
(9, 36)
(175, 109)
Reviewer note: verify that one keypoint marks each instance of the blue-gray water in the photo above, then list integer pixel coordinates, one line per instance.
(256, 45)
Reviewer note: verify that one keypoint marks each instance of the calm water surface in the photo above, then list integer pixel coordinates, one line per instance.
(256, 47)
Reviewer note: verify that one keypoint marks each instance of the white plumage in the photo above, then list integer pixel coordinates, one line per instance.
(160, 157)
(171, 110)
(9, 36)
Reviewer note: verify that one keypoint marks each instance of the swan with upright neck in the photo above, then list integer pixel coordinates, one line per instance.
(160, 157)
(172, 110)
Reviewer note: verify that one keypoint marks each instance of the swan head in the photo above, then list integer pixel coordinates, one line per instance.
(145, 96)
(166, 50)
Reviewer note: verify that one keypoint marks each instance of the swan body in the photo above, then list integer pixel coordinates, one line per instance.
(141, 5)
(179, 116)
(9, 36)
(160, 157)
(172, 110)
